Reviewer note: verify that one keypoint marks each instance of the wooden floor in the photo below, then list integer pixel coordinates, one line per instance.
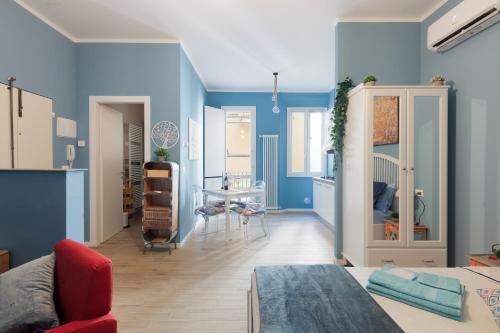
(202, 286)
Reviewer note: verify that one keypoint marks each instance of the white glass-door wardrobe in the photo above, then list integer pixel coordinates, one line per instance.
(395, 176)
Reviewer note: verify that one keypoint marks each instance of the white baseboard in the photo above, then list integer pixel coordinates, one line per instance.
(89, 244)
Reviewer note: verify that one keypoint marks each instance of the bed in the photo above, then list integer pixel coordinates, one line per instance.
(477, 317)
(386, 170)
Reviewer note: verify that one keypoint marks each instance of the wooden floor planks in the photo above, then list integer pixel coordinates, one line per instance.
(202, 286)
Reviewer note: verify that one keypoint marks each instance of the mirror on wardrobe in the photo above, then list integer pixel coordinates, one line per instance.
(426, 146)
(386, 169)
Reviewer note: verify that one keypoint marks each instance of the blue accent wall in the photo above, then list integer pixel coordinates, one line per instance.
(33, 222)
(43, 61)
(472, 69)
(390, 51)
(192, 101)
(47, 63)
(291, 190)
(128, 70)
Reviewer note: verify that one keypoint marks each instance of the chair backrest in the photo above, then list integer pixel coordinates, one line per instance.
(199, 197)
(260, 185)
(239, 180)
(83, 282)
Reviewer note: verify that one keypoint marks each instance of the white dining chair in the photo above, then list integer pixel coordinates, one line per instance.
(206, 209)
(254, 208)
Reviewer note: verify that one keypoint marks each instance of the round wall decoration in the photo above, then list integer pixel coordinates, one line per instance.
(165, 134)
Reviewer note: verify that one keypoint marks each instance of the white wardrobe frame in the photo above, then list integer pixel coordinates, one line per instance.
(360, 247)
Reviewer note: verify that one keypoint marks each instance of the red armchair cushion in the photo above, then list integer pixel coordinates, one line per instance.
(105, 324)
(83, 283)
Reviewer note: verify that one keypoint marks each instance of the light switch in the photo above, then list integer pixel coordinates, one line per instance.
(81, 143)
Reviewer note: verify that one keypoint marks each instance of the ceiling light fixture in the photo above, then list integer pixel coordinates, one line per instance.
(276, 109)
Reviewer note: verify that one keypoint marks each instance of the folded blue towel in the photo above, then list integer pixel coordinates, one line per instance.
(401, 285)
(440, 282)
(398, 271)
(416, 289)
(439, 309)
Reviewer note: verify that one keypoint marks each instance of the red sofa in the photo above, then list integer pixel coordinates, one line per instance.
(83, 287)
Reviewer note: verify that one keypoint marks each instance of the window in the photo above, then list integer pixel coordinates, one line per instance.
(240, 145)
(305, 140)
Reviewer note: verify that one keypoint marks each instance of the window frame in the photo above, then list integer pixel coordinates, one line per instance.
(307, 111)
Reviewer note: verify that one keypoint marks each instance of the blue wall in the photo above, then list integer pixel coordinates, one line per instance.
(292, 190)
(29, 232)
(472, 69)
(390, 51)
(192, 101)
(127, 70)
(43, 61)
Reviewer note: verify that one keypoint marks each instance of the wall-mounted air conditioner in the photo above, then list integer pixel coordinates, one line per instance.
(465, 20)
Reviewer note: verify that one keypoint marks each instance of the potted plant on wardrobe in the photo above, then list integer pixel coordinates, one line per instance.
(438, 80)
(370, 80)
(162, 154)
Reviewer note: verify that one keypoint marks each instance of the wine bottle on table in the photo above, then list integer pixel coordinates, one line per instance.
(226, 182)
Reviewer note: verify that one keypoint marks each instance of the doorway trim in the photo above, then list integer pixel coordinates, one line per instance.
(95, 201)
(253, 117)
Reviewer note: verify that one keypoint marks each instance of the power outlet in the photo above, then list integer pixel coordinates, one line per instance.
(419, 192)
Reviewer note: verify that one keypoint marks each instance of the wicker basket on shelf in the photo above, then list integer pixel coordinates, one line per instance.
(160, 208)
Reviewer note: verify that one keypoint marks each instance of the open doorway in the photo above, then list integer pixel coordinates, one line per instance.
(240, 164)
(119, 145)
(229, 139)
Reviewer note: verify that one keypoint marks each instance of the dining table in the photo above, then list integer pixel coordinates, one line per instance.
(234, 194)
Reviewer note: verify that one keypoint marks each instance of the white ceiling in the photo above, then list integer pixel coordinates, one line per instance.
(235, 45)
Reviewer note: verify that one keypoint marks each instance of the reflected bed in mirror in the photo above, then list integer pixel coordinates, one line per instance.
(386, 196)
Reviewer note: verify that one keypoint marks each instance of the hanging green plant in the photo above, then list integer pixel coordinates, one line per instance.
(338, 117)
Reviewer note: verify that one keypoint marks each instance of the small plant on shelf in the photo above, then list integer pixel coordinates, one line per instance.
(438, 80)
(162, 154)
(370, 80)
(395, 216)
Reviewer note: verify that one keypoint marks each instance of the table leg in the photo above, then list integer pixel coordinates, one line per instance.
(228, 220)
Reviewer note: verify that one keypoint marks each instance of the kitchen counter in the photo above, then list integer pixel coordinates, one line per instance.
(324, 180)
(40, 208)
(324, 200)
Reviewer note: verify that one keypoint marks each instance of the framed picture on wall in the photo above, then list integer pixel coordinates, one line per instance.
(385, 120)
(194, 140)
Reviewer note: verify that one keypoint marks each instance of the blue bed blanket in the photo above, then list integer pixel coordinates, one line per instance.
(316, 298)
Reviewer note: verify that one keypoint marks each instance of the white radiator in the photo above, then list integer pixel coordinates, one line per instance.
(270, 169)
(136, 160)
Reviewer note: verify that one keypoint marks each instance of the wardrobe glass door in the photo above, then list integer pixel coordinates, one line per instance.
(388, 114)
(426, 165)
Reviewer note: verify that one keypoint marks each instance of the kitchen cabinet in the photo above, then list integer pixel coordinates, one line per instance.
(324, 200)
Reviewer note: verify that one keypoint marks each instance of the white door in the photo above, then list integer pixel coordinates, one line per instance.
(111, 171)
(215, 146)
(34, 126)
(5, 124)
